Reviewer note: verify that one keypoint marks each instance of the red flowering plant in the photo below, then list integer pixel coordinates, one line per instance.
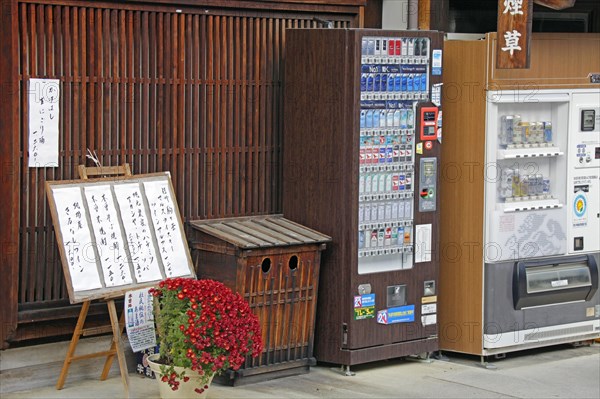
(203, 326)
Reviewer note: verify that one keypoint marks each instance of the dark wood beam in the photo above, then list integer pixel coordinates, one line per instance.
(9, 175)
(556, 4)
(433, 15)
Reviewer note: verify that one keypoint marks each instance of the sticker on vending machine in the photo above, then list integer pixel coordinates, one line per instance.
(436, 62)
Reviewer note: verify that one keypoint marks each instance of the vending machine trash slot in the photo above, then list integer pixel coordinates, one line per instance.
(274, 264)
(555, 280)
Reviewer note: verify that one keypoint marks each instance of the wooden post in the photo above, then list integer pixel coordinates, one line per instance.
(117, 324)
(433, 14)
(9, 170)
(514, 34)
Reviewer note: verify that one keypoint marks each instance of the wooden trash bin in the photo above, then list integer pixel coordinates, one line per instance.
(274, 264)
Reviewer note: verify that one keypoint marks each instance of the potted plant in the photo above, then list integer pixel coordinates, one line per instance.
(204, 329)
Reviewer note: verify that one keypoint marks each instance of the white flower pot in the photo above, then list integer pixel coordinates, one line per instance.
(186, 389)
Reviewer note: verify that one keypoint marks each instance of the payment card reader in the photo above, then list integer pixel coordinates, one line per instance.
(427, 122)
(427, 184)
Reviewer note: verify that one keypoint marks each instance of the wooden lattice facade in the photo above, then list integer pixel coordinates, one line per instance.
(192, 87)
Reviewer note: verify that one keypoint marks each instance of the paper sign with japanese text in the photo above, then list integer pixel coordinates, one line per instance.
(139, 320)
(44, 97)
(118, 234)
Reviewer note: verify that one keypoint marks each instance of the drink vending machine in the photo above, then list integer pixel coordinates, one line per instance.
(362, 138)
(521, 237)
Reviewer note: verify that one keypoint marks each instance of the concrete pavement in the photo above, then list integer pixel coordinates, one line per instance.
(553, 372)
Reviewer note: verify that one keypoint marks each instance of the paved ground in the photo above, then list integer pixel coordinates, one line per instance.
(556, 372)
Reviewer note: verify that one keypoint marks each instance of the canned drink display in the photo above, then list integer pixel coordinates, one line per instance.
(526, 136)
(539, 132)
(517, 131)
(524, 186)
(506, 183)
(548, 132)
(506, 130)
(516, 184)
(514, 131)
(539, 184)
(546, 186)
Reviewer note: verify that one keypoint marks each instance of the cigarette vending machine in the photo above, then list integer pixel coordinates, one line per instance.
(362, 138)
(521, 238)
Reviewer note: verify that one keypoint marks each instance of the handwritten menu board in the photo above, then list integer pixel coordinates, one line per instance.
(44, 95)
(117, 234)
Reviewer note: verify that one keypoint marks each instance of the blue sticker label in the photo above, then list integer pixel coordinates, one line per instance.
(402, 314)
(362, 301)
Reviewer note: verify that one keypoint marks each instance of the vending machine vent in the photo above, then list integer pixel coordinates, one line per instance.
(563, 332)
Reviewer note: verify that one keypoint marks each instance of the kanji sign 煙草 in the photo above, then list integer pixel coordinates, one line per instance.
(514, 33)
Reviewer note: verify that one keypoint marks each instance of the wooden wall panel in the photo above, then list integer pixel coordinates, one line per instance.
(462, 182)
(560, 60)
(194, 92)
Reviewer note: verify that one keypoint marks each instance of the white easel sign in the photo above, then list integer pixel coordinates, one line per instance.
(44, 104)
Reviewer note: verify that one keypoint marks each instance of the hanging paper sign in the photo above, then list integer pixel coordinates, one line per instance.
(139, 321)
(44, 95)
(514, 34)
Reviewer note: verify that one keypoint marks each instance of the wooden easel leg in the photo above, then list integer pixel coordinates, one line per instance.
(73, 345)
(114, 321)
(113, 346)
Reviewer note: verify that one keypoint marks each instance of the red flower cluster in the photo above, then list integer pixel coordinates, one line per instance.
(205, 326)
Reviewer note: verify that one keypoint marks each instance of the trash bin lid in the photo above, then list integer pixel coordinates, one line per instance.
(259, 231)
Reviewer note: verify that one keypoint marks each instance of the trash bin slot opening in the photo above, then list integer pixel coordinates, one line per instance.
(266, 265)
(293, 262)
